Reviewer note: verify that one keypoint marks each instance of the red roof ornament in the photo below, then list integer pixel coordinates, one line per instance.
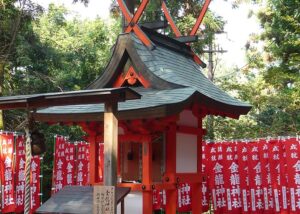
(134, 19)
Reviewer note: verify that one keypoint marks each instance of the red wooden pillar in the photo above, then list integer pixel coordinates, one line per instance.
(171, 195)
(147, 178)
(196, 187)
(94, 148)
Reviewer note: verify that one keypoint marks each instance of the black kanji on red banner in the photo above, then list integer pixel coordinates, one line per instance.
(260, 176)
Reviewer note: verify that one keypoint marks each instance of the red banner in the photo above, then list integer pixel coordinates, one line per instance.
(7, 172)
(59, 164)
(159, 199)
(184, 198)
(263, 148)
(255, 178)
(82, 174)
(69, 174)
(205, 191)
(293, 172)
(35, 186)
(20, 173)
(232, 177)
(277, 175)
(216, 176)
(242, 152)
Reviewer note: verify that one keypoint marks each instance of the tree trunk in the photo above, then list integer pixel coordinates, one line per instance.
(2, 67)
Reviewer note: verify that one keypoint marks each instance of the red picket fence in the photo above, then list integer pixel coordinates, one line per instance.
(261, 176)
(12, 169)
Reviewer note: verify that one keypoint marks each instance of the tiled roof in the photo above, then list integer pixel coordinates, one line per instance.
(177, 68)
(150, 98)
(173, 75)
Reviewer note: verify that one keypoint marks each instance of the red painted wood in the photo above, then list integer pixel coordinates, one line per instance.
(147, 177)
(132, 20)
(93, 158)
(200, 17)
(134, 187)
(196, 194)
(164, 186)
(170, 20)
(124, 10)
(196, 187)
(189, 177)
(142, 36)
(131, 76)
(198, 60)
(137, 15)
(147, 202)
(171, 167)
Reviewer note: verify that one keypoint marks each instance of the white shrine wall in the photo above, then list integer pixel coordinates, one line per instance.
(186, 144)
(133, 203)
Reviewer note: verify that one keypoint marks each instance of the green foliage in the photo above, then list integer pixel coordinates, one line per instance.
(281, 23)
(52, 52)
(271, 80)
(57, 54)
(15, 15)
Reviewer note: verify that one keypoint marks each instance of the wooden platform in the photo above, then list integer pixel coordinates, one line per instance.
(75, 199)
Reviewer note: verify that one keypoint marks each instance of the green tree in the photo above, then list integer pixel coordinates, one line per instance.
(54, 53)
(15, 15)
(271, 79)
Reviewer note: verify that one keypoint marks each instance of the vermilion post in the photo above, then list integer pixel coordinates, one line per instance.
(171, 168)
(196, 187)
(132, 20)
(93, 157)
(137, 15)
(170, 20)
(200, 17)
(147, 178)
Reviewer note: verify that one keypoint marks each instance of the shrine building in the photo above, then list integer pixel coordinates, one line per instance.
(160, 135)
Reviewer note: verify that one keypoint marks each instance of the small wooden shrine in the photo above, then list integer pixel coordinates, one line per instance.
(160, 135)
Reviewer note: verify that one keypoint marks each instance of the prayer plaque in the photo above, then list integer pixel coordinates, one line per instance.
(104, 200)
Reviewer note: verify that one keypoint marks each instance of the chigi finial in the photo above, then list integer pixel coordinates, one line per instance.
(133, 16)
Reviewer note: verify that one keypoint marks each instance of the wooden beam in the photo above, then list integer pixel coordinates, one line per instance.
(171, 195)
(197, 187)
(198, 61)
(187, 39)
(170, 20)
(93, 157)
(137, 15)
(110, 144)
(95, 96)
(147, 177)
(155, 25)
(132, 20)
(200, 17)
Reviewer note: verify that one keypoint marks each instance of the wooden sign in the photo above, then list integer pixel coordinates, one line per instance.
(104, 200)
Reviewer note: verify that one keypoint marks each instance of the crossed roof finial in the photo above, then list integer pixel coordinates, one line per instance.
(133, 19)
